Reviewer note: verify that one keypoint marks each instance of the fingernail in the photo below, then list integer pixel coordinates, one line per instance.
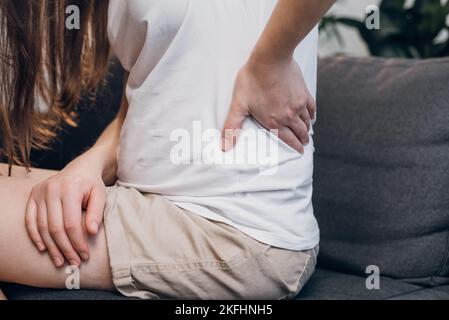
(84, 256)
(225, 145)
(40, 246)
(95, 226)
(57, 261)
(74, 262)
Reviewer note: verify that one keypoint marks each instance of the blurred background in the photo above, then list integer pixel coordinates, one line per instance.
(408, 28)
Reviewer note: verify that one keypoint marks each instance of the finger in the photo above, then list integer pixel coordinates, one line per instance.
(31, 224)
(311, 107)
(42, 225)
(287, 135)
(95, 207)
(232, 127)
(305, 117)
(300, 130)
(73, 224)
(57, 232)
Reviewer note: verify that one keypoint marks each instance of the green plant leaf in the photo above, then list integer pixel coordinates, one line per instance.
(392, 6)
(404, 32)
(432, 19)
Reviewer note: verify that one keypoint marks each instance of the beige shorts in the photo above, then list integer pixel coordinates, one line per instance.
(159, 251)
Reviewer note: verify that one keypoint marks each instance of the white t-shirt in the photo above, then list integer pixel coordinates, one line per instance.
(183, 57)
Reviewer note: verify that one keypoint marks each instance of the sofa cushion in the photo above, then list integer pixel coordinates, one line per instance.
(437, 293)
(331, 285)
(17, 292)
(324, 285)
(381, 192)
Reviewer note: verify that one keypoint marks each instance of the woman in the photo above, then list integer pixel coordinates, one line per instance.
(171, 224)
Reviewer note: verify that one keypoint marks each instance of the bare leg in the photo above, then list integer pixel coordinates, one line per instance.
(2, 296)
(20, 262)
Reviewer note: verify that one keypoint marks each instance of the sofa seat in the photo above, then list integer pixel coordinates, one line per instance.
(331, 285)
(324, 285)
(17, 292)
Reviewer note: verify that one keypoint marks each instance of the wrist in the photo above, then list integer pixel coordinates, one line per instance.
(101, 161)
(261, 57)
(262, 67)
(106, 156)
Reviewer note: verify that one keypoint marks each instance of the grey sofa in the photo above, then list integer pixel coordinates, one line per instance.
(381, 182)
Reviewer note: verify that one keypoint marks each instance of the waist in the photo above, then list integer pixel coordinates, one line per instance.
(156, 174)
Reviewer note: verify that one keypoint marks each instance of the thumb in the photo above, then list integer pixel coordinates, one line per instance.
(232, 127)
(95, 207)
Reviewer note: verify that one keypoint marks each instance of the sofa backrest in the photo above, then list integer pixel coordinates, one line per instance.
(381, 177)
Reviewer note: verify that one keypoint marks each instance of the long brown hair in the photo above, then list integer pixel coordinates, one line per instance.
(43, 62)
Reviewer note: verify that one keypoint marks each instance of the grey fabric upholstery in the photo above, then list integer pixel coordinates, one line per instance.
(16, 292)
(331, 285)
(382, 167)
(437, 293)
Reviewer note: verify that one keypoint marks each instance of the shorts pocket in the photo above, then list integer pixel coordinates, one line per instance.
(292, 268)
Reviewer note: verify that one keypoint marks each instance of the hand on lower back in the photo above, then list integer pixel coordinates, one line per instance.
(277, 97)
(54, 213)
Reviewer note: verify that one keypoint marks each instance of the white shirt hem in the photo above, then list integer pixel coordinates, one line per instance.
(269, 238)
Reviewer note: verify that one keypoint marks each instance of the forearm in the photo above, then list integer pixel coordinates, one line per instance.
(289, 24)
